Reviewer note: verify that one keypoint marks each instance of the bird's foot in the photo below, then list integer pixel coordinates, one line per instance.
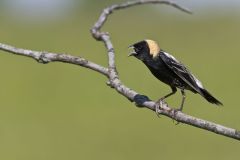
(175, 111)
(176, 122)
(158, 106)
(178, 110)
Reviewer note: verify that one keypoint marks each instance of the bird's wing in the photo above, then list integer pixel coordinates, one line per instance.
(181, 71)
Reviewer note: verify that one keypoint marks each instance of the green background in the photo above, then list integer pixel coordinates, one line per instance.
(61, 111)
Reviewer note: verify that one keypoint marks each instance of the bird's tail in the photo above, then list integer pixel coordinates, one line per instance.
(210, 98)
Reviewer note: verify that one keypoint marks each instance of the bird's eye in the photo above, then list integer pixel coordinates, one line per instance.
(138, 49)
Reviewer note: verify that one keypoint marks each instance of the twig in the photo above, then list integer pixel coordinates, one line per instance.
(46, 57)
(107, 11)
(111, 71)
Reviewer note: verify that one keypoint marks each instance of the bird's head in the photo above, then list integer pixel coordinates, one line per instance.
(145, 49)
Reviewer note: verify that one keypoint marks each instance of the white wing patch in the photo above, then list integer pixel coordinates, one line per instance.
(198, 82)
(170, 56)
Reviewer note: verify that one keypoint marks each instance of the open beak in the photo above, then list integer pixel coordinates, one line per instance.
(132, 53)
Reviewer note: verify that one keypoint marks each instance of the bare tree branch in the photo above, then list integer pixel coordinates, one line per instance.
(142, 100)
(111, 71)
(107, 11)
(46, 57)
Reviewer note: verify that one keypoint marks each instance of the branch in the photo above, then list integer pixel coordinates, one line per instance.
(46, 57)
(112, 74)
(107, 11)
(141, 100)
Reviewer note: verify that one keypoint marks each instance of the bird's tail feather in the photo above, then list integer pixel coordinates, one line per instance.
(210, 98)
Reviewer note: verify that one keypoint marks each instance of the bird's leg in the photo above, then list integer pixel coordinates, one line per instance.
(159, 103)
(183, 99)
(181, 107)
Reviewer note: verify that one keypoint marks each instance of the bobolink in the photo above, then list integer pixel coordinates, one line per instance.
(169, 70)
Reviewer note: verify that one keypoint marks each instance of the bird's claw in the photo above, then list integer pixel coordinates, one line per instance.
(178, 110)
(158, 105)
(174, 115)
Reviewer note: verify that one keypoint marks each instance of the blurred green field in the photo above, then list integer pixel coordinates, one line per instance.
(60, 111)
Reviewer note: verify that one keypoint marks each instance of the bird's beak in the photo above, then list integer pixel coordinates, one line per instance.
(132, 52)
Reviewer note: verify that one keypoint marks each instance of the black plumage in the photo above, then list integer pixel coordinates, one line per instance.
(169, 70)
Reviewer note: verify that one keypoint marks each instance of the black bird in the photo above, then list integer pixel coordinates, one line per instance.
(169, 70)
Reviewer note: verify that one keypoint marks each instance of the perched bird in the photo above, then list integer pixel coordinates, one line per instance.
(169, 70)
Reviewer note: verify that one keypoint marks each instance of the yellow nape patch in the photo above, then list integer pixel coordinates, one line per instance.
(153, 47)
